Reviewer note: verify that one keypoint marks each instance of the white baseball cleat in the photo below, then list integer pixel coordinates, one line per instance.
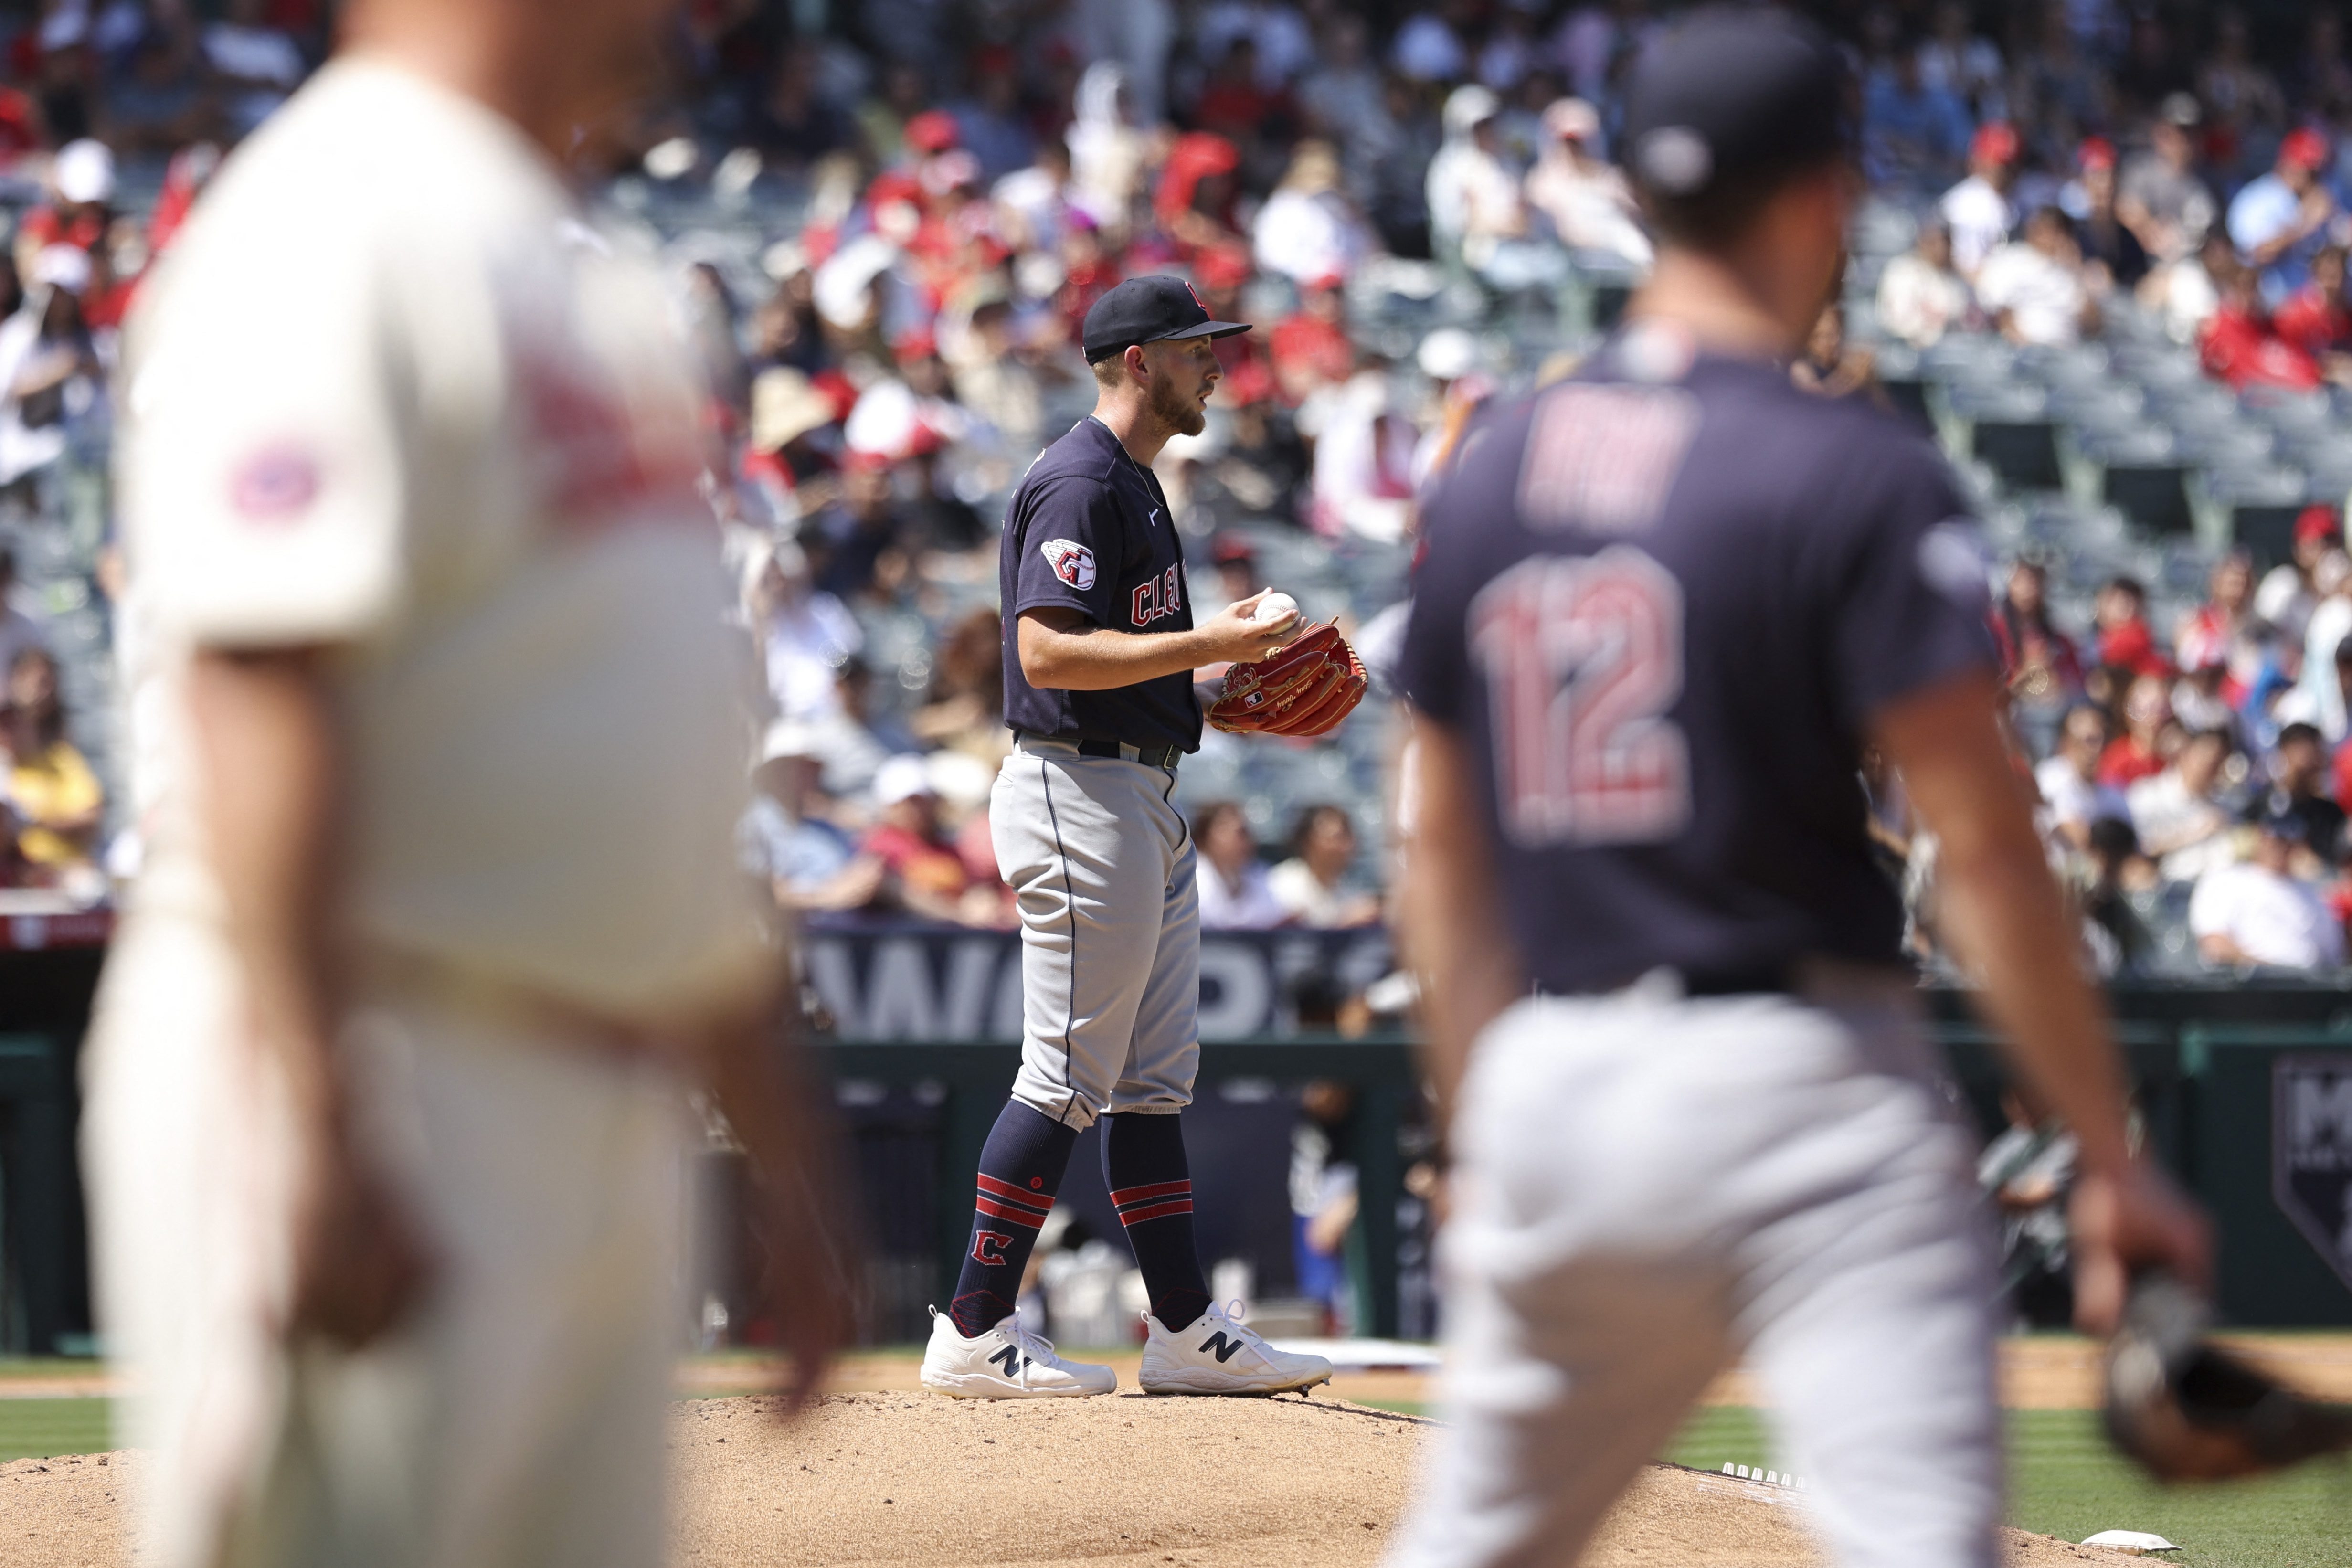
(1007, 1361)
(1215, 1355)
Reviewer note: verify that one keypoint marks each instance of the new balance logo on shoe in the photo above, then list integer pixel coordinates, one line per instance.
(1011, 1356)
(1223, 1347)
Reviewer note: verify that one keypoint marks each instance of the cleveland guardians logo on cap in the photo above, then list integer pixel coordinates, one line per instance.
(1073, 563)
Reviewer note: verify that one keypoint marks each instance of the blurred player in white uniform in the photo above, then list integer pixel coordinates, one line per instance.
(1663, 607)
(440, 913)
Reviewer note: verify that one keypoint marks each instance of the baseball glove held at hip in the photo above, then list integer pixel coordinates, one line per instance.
(2188, 1410)
(1303, 688)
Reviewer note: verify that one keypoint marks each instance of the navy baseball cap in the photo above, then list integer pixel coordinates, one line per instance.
(2279, 823)
(1731, 93)
(1146, 310)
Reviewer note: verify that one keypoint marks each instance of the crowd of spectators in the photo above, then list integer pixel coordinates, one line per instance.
(2091, 153)
(940, 188)
(2205, 764)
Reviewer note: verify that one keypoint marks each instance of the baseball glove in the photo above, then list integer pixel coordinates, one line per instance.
(1303, 688)
(2189, 1411)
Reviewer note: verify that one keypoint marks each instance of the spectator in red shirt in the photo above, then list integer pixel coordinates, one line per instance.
(20, 125)
(2239, 342)
(2125, 641)
(2137, 753)
(923, 873)
(1310, 347)
(78, 212)
(1194, 198)
(2209, 636)
(2317, 319)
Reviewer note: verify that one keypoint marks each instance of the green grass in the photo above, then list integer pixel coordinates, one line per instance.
(16, 1368)
(2066, 1481)
(42, 1428)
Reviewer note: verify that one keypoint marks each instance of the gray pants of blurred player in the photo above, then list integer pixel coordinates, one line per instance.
(1648, 1186)
(516, 1419)
(1103, 866)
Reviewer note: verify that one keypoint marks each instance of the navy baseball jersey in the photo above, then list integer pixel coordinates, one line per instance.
(1659, 602)
(1089, 530)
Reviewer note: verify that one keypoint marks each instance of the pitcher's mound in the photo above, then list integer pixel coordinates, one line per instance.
(1211, 1483)
(911, 1479)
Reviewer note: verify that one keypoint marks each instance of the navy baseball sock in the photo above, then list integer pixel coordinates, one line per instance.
(1020, 1169)
(1143, 1166)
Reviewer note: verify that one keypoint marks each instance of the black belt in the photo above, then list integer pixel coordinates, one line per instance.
(1149, 756)
(1773, 979)
(1765, 980)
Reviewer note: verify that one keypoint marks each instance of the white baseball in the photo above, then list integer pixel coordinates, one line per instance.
(1276, 607)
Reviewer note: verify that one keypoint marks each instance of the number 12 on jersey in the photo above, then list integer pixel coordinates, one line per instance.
(1583, 656)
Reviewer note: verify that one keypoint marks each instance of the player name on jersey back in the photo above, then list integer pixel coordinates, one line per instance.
(1660, 603)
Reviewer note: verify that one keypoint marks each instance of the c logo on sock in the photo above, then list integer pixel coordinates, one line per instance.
(988, 1247)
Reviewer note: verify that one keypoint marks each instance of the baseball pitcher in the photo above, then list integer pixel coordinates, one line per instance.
(1099, 650)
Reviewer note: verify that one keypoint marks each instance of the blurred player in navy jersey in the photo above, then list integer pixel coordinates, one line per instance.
(1665, 605)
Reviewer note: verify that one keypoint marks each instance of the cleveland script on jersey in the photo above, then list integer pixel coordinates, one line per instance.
(1088, 530)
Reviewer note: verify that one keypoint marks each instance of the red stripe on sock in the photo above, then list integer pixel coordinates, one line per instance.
(1156, 1211)
(1040, 1202)
(1157, 1190)
(1021, 1217)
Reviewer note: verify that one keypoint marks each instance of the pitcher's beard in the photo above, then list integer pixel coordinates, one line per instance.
(1179, 412)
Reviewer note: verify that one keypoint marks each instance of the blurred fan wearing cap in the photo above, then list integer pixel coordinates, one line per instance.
(1310, 348)
(2279, 221)
(2301, 782)
(1979, 210)
(786, 841)
(2034, 287)
(1920, 296)
(2108, 244)
(1478, 217)
(1194, 198)
(48, 365)
(1307, 230)
(923, 874)
(804, 634)
(2160, 195)
(82, 189)
(2288, 592)
(2258, 913)
(788, 455)
(2318, 320)
(1579, 191)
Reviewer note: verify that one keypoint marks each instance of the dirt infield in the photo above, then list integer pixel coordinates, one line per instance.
(2040, 1372)
(909, 1479)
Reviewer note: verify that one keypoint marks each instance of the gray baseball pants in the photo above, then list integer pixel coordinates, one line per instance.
(1102, 864)
(1647, 1186)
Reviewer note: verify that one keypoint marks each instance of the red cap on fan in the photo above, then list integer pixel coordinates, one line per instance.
(2315, 522)
(1995, 143)
(2304, 148)
(933, 131)
(2096, 153)
(893, 185)
(1222, 266)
